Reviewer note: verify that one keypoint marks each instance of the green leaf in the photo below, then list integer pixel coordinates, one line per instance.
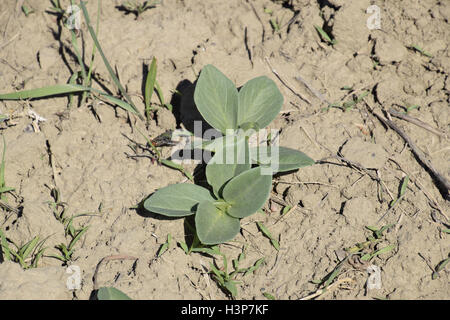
(227, 163)
(177, 200)
(5, 247)
(404, 186)
(268, 296)
(281, 159)
(64, 89)
(209, 251)
(216, 98)
(325, 36)
(110, 293)
(25, 251)
(369, 256)
(163, 249)
(214, 225)
(59, 89)
(259, 102)
(247, 192)
(184, 246)
(105, 61)
(124, 105)
(255, 267)
(231, 287)
(76, 238)
(267, 233)
(149, 87)
(176, 166)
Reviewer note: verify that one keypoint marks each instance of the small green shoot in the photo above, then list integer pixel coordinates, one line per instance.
(179, 167)
(285, 210)
(328, 279)
(227, 281)
(441, 266)
(59, 211)
(275, 25)
(348, 104)
(68, 250)
(105, 60)
(3, 187)
(412, 107)
(27, 255)
(27, 10)
(369, 256)
(268, 296)
(420, 50)
(149, 87)
(184, 246)
(378, 233)
(267, 233)
(161, 97)
(402, 192)
(137, 7)
(57, 8)
(165, 246)
(325, 36)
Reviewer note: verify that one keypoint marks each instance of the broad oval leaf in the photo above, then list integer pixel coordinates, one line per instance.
(216, 98)
(227, 163)
(110, 293)
(281, 159)
(177, 200)
(214, 225)
(247, 192)
(259, 102)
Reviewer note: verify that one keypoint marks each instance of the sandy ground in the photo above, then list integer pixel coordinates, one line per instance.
(333, 201)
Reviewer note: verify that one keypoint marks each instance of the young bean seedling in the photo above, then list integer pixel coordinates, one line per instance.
(240, 176)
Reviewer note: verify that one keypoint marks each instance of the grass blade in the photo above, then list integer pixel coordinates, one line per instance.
(5, 247)
(440, 267)
(2, 170)
(266, 232)
(75, 240)
(369, 256)
(108, 66)
(268, 296)
(173, 165)
(124, 105)
(149, 87)
(325, 35)
(59, 89)
(404, 186)
(64, 89)
(26, 250)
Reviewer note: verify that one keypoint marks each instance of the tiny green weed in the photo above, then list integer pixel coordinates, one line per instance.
(137, 7)
(325, 37)
(27, 255)
(227, 281)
